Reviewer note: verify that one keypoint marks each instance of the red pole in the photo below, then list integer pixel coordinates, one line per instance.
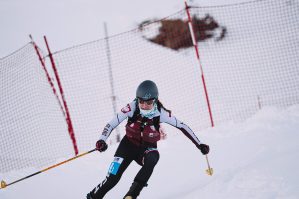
(191, 29)
(68, 117)
(47, 74)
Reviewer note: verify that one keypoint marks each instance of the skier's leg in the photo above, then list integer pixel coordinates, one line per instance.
(151, 158)
(122, 159)
(134, 190)
(117, 167)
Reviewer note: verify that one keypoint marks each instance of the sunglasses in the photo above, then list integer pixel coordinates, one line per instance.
(148, 102)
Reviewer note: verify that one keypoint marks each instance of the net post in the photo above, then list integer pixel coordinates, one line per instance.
(68, 117)
(47, 73)
(113, 95)
(191, 29)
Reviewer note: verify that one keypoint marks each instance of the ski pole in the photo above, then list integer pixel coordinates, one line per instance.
(209, 171)
(4, 184)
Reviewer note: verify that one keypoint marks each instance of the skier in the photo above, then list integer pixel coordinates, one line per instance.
(143, 131)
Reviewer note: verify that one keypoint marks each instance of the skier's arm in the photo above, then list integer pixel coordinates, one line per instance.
(126, 112)
(168, 118)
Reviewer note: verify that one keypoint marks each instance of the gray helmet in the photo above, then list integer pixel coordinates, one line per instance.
(147, 90)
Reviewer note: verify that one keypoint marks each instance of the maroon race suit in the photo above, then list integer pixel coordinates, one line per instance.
(143, 130)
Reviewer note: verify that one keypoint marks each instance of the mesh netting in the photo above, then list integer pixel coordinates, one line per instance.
(254, 65)
(33, 130)
(257, 63)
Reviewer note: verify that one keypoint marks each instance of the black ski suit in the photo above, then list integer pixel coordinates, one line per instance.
(139, 144)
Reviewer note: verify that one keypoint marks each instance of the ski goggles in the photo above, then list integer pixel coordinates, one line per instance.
(148, 102)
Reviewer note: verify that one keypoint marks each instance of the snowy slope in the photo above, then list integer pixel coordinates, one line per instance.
(254, 159)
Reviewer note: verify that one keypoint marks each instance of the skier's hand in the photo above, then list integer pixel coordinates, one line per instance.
(204, 149)
(101, 145)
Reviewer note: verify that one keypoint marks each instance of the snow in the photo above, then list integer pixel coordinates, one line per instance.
(258, 158)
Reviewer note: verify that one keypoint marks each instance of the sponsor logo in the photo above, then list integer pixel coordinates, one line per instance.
(98, 187)
(126, 109)
(106, 130)
(147, 96)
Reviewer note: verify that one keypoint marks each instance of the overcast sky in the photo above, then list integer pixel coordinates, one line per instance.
(71, 22)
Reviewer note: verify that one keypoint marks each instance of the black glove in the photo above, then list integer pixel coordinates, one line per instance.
(204, 149)
(101, 145)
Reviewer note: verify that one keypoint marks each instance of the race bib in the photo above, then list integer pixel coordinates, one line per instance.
(113, 169)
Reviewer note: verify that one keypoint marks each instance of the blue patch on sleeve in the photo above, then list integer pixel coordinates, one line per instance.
(113, 169)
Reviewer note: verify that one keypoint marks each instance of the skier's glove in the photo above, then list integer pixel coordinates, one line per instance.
(204, 149)
(101, 145)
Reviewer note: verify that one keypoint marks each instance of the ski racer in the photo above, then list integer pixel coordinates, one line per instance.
(143, 131)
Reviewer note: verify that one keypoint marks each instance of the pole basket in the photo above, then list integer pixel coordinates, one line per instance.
(209, 171)
(3, 184)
